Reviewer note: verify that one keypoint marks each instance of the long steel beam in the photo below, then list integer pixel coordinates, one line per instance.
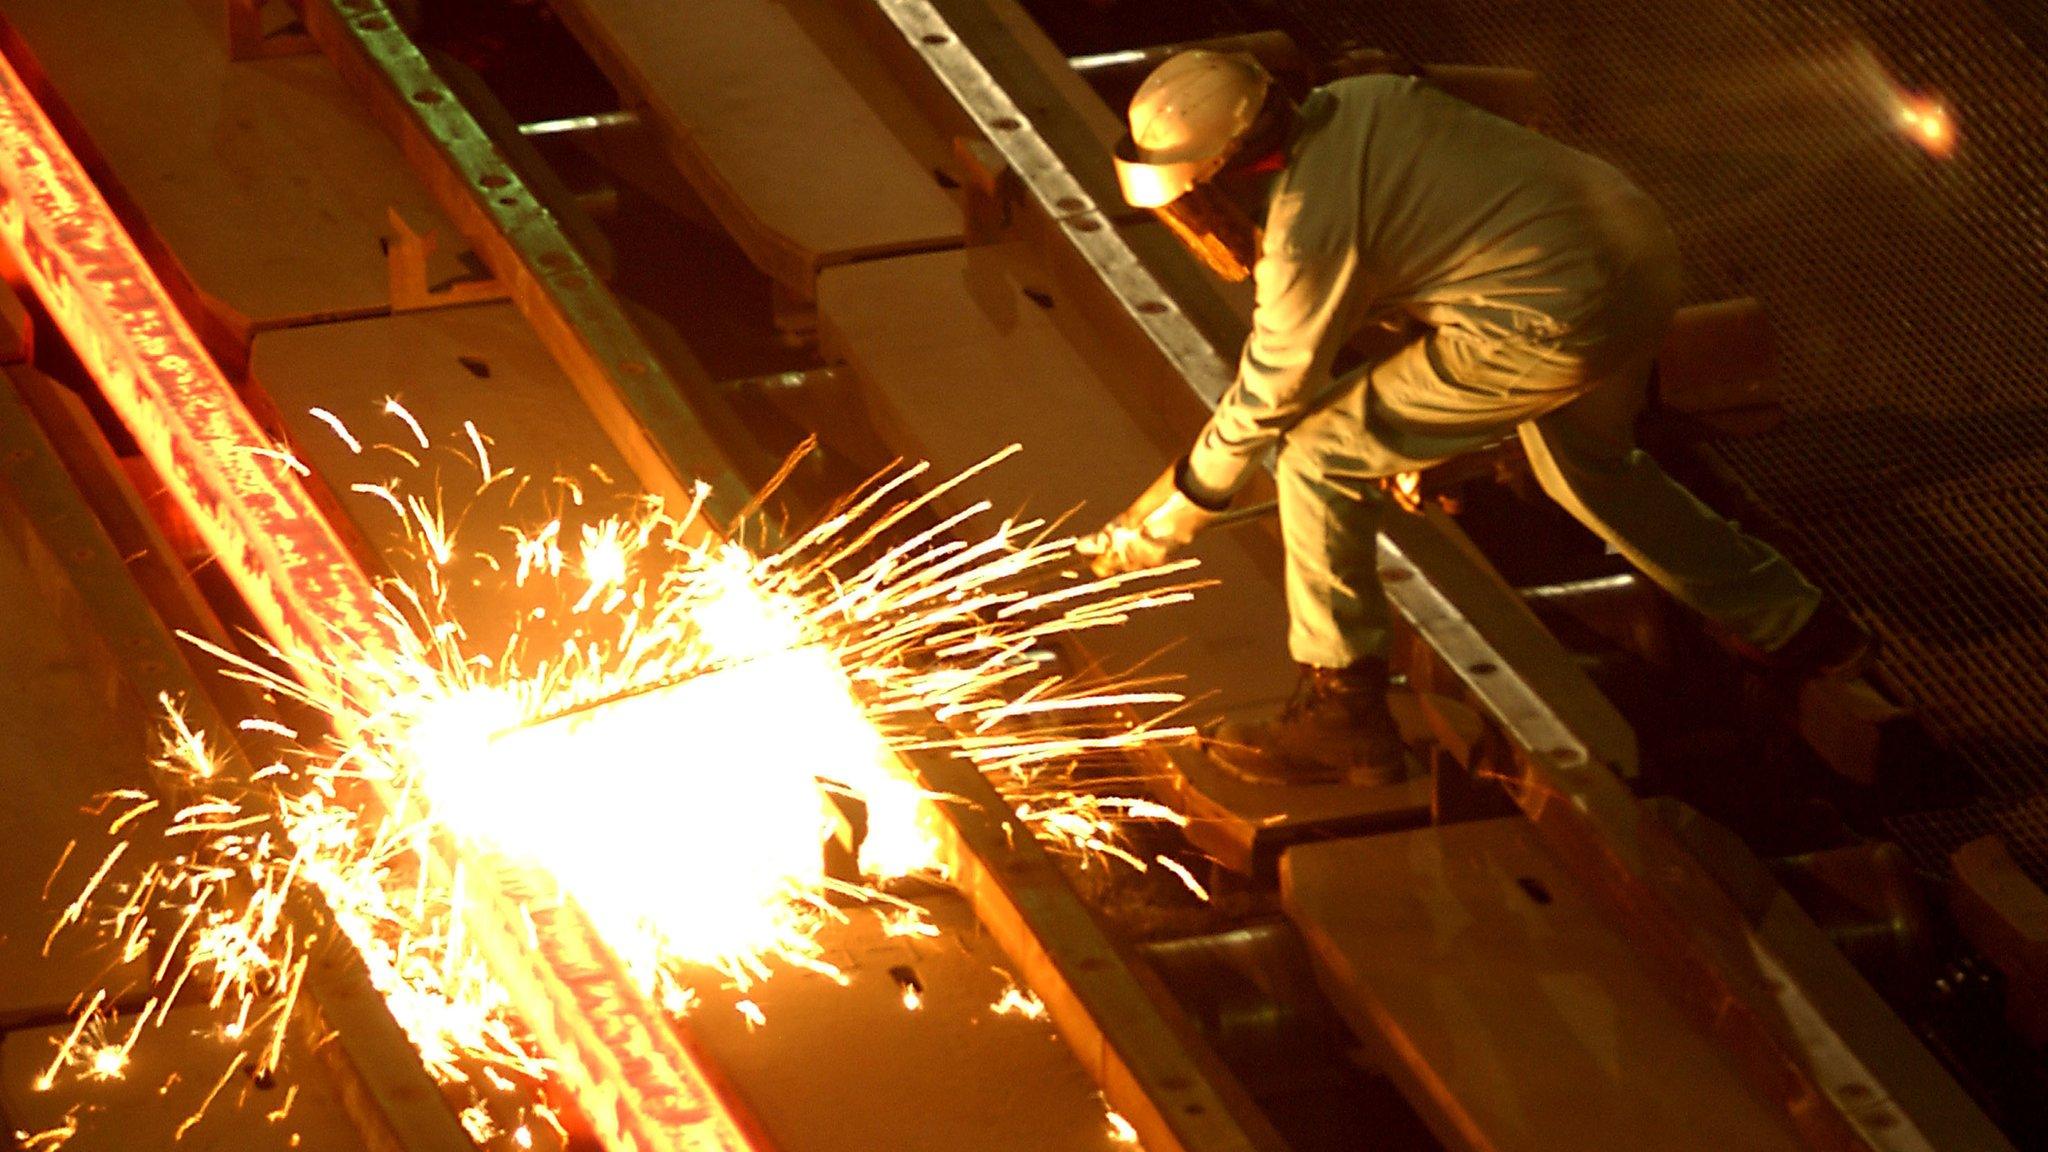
(615, 1051)
(1795, 1049)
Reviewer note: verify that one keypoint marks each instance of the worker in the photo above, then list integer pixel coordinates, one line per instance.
(1537, 282)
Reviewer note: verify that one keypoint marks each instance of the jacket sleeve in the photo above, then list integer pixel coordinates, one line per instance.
(1304, 295)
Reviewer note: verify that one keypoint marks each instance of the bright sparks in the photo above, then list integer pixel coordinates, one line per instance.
(1016, 1001)
(665, 726)
(1926, 122)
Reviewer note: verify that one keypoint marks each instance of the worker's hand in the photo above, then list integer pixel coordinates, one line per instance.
(1148, 533)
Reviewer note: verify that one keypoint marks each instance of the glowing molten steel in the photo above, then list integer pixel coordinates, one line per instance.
(305, 589)
(638, 779)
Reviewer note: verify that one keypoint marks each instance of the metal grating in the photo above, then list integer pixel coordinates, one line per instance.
(1910, 293)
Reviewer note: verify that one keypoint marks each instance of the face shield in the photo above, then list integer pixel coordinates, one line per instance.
(1189, 118)
(1186, 120)
(1149, 183)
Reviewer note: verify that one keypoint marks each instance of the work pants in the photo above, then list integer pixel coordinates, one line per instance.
(1575, 409)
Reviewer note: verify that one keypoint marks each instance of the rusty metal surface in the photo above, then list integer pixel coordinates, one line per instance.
(802, 149)
(1910, 295)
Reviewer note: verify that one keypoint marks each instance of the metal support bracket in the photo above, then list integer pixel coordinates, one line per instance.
(256, 31)
(990, 191)
(406, 254)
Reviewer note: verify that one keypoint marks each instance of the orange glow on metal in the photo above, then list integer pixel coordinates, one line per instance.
(1928, 123)
(615, 1051)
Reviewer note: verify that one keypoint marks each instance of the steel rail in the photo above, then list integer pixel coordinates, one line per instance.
(1725, 970)
(306, 590)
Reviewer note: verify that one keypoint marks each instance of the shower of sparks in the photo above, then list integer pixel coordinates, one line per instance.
(1016, 1001)
(667, 728)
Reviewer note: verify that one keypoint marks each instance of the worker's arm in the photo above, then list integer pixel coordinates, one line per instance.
(1307, 295)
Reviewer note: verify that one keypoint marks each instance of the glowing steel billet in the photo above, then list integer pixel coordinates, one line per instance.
(617, 1056)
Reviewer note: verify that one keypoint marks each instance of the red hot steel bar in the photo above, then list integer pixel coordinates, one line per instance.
(615, 1052)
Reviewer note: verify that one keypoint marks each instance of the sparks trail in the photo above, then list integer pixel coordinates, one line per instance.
(653, 722)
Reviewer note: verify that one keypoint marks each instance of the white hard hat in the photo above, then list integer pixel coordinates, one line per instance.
(1187, 119)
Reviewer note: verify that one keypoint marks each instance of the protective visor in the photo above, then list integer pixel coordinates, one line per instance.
(1150, 183)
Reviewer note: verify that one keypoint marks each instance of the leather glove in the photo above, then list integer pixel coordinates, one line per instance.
(1148, 533)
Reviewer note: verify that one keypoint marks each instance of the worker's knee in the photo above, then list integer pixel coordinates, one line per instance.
(1302, 459)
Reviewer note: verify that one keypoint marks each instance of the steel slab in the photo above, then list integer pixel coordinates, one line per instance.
(483, 365)
(267, 184)
(1513, 1012)
(804, 150)
(851, 1067)
(833, 1063)
(643, 401)
(103, 567)
(63, 742)
(166, 1083)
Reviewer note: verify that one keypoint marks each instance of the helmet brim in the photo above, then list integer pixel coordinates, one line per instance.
(1157, 183)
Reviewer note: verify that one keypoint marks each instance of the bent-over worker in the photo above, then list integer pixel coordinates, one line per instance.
(1541, 281)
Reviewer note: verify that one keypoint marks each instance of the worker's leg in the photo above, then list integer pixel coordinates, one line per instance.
(1330, 526)
(1402, 415)
(1585, 456)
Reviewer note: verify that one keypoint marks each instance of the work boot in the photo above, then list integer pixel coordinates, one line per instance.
(1831, 645)
(1335, 730)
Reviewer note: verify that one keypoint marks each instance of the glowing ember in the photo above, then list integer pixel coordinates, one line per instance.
(107, 1063)
(1926, 121)
(1016, 1001)
(664, 747)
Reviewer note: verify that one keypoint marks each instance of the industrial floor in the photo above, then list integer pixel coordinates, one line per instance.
(1909, 293)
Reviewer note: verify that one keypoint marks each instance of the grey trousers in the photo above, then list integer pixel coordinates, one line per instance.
(1455, 390)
